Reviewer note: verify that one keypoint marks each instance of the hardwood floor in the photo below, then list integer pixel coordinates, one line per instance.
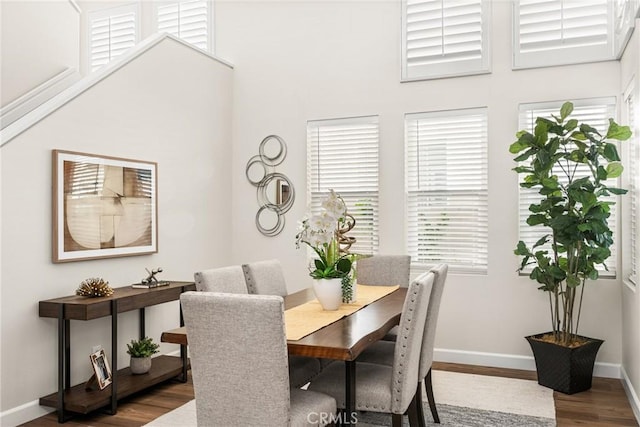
(605, 405)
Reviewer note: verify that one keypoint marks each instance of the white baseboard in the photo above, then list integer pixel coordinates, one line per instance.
(634, 401)
(511, 361)
(23, 413)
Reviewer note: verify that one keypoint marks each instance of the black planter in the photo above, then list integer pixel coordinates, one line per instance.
(564, 369)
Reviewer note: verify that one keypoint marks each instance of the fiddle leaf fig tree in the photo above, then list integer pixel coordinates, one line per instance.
(568, 163)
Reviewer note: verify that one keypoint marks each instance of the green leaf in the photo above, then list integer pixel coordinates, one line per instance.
(615, 131)
(579, 136)
(618, 191)
(517, 146)
(614, 170)
(611, 152)
(522, 249)
(551, 183)
(571, 125)
(344, 265)
(573, 281)
(523, 169)
(566, 110)
(536, 219)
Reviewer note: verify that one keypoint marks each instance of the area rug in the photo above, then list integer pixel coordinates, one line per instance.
(463, 400)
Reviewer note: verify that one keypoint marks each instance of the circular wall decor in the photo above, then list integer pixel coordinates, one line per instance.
(274, 190)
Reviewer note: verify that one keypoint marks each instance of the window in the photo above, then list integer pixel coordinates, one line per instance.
(595, 112)
(447, 189)
(442, 38)
(557, 32)
(633, 177)
(342, 155)
(625, 15)
(111, 32)
(189, 20)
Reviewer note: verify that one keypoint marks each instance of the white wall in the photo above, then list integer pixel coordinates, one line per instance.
(629, 68)
(170, 105)
(304, 60)
(39, 40)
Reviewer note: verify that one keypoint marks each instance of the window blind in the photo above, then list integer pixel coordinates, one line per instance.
(447, 189)
(556, 32)
(632, 198)
(595, 112)
(187, 20)
(111, 32)
(342, 155)
(444, 38)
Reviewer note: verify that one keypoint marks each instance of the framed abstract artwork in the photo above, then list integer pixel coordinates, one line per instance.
(103, 207)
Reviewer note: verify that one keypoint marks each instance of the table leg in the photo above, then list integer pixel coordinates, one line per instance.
(350, 393)
(62, 361)
(114, 356)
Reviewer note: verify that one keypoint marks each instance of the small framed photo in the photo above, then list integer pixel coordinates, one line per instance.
(102, 207)
(101, 369)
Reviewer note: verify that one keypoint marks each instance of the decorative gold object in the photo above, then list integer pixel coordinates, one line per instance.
(344, 241)
(94, 287)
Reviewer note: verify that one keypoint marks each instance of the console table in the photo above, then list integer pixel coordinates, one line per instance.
(77, 399)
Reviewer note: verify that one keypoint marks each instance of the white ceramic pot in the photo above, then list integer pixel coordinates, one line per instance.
(328, 292)
(140, 365)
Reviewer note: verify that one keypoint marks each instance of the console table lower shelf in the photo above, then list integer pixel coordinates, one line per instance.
(79, 400)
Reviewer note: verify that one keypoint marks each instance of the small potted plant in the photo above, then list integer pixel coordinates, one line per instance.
(141, 352)
(331, 270)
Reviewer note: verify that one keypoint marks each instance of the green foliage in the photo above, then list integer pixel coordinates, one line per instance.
(142, 348)
(572, 207)
(330, 263)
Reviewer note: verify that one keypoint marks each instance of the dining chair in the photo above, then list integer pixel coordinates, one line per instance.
(225, 279)
(267, 278)
(382, 352)
(385, 270)
(239, 363)
(382, 388)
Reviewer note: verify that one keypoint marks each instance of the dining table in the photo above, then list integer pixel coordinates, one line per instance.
(343, 340)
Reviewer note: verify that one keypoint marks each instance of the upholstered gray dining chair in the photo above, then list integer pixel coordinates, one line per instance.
(239, 363)
(225, 279)
(385, 270)
(267, 278)
(382, 352)
(381, 388)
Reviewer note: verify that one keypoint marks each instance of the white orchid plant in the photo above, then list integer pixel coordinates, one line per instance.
(320, 233)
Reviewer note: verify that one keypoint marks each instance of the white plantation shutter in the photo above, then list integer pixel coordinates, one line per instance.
(342, 155)
(596, 113)
(444, 38)
(188, 20)
(111, 32)
(633, 195)
(447, 189)
(556, 32)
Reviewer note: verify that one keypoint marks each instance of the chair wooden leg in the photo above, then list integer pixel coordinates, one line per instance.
(417, 398)
(414, 413)
(432, 403)
(396, 420)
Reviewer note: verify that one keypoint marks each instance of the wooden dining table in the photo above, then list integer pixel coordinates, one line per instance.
(342, 340)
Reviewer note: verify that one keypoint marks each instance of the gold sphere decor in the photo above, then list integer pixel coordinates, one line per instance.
(94, 287)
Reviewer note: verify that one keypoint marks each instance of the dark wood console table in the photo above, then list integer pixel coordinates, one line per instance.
(77, 399)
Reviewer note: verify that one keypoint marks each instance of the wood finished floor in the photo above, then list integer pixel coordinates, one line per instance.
(604, 405)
